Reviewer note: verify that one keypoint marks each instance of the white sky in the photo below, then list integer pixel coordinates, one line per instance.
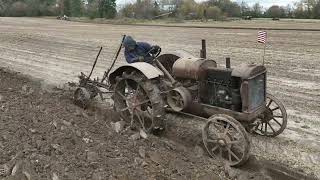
(265, 3)
(268, 3)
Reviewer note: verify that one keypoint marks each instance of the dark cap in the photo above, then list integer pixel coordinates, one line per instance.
(129, 42)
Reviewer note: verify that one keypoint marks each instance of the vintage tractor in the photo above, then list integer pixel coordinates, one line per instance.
(232, 101)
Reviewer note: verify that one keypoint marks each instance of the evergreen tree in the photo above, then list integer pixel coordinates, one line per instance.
(316, 10)
(67, 7)
(76, 8)
(107, 8)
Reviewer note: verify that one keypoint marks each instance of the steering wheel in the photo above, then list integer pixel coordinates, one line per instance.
(154, 54)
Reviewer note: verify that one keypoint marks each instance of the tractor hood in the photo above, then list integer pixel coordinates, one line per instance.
(248, 71)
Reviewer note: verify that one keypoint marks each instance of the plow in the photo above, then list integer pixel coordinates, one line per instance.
(231, 102)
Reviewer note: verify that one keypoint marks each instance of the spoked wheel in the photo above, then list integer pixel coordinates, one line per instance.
(274, 120)
(138, 101)
(226, 139)
(82, 97)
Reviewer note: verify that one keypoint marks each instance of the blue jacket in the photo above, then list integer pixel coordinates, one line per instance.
(141, 49)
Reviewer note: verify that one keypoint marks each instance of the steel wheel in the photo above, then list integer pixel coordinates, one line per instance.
(138, 101)
(275, 118)
(226, 139)
(82, 97)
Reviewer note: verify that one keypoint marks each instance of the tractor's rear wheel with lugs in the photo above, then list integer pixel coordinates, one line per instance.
(226, 139)
(274, 120)
(138, 101)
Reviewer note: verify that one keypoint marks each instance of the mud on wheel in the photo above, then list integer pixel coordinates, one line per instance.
(226, 139)
(138, 101)
(274, 120)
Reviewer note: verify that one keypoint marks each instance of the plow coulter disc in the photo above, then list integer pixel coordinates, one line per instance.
(139, 103)
(82, 97)
(275, 118)
(226, 139)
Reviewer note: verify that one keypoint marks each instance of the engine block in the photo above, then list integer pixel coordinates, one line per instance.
(220, 89)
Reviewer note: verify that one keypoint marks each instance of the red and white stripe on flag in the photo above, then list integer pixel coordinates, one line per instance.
(262, 37)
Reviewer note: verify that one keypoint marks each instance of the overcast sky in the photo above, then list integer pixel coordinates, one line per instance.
(268, 3)
(265, 3)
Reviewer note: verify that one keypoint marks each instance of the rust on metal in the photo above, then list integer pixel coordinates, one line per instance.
(146, 69)
(192, 67)
(248, 71)
(203, 51)
(228, 63)
(179, 98)
(165, 71)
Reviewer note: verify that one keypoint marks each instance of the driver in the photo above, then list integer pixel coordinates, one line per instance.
(138, 51)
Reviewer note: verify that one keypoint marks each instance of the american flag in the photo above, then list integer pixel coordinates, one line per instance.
(262, 37)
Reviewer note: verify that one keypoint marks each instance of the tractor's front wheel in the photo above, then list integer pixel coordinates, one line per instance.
(226, 139)
(274, 120)
(138, 101)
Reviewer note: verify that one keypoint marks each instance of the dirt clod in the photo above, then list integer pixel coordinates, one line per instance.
(118, 126)
(143, 134)
(231, 172)
(97, 176)
(92, 156)
(155, 157)
(26, 90)
(138, 161)
(55, 176)
(135, 136)
(199, 152)
(142, 152)
(4, 170)
(66, 123)
(78, 133)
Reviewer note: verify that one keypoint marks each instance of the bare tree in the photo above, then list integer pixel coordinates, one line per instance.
(245, 9)
(257, 10)
(310, 4)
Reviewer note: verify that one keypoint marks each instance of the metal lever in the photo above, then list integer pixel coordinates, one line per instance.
(95, 63)
(166, 73)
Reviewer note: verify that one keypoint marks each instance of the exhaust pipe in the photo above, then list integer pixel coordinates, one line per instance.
(203, 51)
(228, 63)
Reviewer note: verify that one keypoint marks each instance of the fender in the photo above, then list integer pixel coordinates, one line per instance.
(146, 69)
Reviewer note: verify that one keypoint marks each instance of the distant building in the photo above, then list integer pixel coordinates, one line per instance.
(168, 7)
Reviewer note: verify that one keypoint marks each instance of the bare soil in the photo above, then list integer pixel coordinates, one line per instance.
(55, 52)
(258, 23)
(43, 134)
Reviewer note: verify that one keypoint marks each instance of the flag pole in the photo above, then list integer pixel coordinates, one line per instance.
(262, 38)
(264, 53)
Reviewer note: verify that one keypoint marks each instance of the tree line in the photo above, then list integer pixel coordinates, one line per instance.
(219, 9)
(183, 9)
(75, 8)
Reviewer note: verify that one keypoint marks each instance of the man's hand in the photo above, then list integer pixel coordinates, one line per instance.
(155, 49)
(140, 59)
